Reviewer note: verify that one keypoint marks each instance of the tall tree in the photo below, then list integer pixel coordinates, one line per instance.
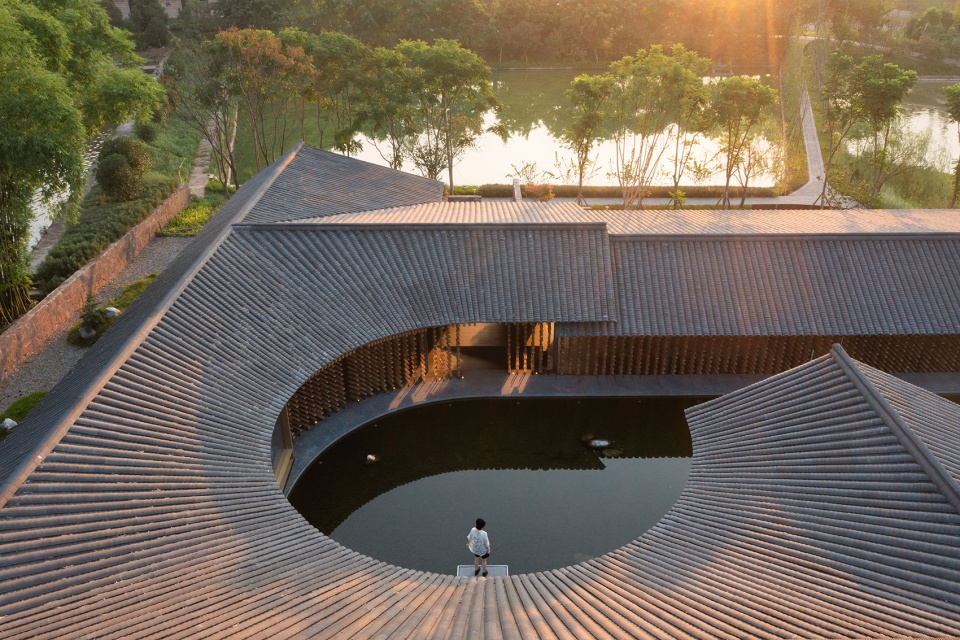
(588, 95)
(453, 92)
(736, 107)
(953, 109)
(340, 67)
(149, 23)
(266, 77)
(207, 104)
(882, 86)
(689, 96)
(64, 72)
(644, 103)
(388, 104)
(842, 107)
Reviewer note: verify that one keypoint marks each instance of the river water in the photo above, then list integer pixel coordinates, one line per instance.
(925, 110)
(535, 113)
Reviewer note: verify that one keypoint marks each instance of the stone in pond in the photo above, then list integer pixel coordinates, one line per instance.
(598, 444)
(612, 453)
(371, 458)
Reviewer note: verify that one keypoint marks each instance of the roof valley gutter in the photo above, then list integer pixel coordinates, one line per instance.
(30, 464)
(927, 461)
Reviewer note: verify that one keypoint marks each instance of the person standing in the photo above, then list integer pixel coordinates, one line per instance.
(478, 542)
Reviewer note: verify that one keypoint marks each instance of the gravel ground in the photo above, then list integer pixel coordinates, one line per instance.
(56, 357)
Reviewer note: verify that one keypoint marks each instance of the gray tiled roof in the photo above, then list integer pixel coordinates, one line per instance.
(317, 183)
(153, 510)
(784, 286)
(935, 422)
(480, 213)
(766, 222)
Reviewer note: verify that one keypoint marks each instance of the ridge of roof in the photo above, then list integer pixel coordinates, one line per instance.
(319, 183)
(113, 353)
(431, 226)
(779, 223)
(938, 475)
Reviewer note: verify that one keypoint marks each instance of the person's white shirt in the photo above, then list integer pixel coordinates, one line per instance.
(478, 542)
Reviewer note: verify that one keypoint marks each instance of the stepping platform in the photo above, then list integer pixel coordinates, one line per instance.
(493, 571)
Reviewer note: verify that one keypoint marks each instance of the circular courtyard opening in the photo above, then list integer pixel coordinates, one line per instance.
(558, 480)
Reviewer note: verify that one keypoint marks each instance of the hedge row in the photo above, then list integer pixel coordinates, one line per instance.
(570, 191)
(100, 223)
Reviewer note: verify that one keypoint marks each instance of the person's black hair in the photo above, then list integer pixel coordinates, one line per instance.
(480, 524)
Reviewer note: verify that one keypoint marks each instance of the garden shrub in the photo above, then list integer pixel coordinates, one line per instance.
(120, 169)
(495, 190)
(134, 151)
(542, 192)
(117, 179)
(96, 318)
(100, 223)
(146, 131)
(570, 191)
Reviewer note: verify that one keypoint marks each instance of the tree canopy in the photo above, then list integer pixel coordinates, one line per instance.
(64, 72)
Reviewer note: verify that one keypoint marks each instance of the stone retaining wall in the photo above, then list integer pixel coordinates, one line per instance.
(24, 337)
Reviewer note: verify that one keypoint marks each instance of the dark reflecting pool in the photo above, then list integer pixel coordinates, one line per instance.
(523, 466)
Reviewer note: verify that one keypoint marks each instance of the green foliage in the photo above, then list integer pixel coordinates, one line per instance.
(952, 94)
(119, 181)
(113, 13)
(573, 32)
(587, 95)
(148, 22)
(495, 190)
(64, 72)
(120, 169)
(266, 77)
(146, 131)
(95, 317)
(214, 186)
(92, 316)
(18, 409)
(541, 192)
(100, 223)
(190, 221)
(131, 292)
(135, 152)
(452, 89)
(737, 105)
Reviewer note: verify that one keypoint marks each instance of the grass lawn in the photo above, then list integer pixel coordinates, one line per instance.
(121, 302)
(19, 409)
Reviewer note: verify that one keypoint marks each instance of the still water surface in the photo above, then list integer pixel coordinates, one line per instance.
(548, 499)
(535, 113)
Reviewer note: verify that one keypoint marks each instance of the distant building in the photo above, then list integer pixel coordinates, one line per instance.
(172, 7)
(124, 7)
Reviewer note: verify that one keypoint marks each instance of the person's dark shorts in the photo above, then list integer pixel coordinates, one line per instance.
(484, 556)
